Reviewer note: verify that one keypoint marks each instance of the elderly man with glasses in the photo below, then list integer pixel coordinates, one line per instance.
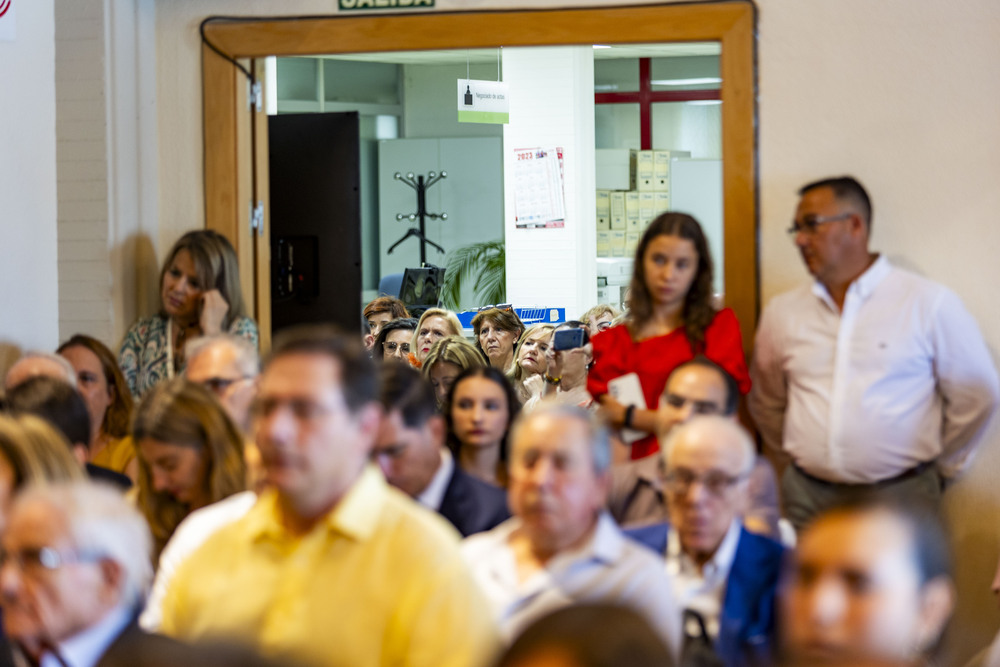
(871, 377)
(725, 577)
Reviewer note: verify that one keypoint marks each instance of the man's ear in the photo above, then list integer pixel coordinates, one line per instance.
(113, 578)
(937, 601)
(81, 453)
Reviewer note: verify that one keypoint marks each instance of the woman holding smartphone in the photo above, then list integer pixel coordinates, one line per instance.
(199, 296)
(672, 317)
(569, 357)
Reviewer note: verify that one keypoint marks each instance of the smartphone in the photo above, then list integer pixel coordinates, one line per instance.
(568, 339)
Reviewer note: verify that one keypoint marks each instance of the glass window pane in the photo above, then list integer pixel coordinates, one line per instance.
(685, 73)
(616, 125)
(296, 79)
(361, 82)
(689, 126)
(616, 75)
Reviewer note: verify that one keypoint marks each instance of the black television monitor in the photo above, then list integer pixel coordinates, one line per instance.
(421, 288)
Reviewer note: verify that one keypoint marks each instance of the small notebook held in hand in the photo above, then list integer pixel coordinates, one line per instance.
(627, 390)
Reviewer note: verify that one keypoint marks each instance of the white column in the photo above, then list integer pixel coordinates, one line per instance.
(552, 104)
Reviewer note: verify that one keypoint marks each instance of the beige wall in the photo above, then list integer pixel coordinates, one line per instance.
(29, 299)
(901, 93)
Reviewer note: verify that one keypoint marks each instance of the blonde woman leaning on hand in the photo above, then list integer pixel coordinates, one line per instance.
(199, 296)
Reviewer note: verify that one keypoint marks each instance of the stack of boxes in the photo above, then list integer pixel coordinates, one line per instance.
(633, 188)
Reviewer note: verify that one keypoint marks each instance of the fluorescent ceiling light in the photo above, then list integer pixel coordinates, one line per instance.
(704, 103)
(601, 46)
(605, 87)
(686, 82)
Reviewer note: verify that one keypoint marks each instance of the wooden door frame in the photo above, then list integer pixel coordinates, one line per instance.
(229, 188)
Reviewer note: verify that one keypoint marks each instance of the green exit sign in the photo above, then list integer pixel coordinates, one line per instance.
(384, 4)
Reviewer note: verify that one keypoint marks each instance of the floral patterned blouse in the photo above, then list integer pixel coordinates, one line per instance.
(144, 354)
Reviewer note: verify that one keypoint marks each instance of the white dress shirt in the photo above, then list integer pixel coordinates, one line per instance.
(190, 534)
(607, 568)
(432, 496)
(87, 647)
(702, 591)
(901, 376)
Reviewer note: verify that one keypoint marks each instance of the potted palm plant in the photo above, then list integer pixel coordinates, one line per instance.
(485, 262)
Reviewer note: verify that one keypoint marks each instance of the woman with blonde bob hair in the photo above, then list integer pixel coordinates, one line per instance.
(31, 452)
(199, 296)
(446, 360)
(530, 363)
(434, 324)
(190, 455)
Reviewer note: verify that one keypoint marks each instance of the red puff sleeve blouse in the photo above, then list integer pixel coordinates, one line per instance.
(654, 359)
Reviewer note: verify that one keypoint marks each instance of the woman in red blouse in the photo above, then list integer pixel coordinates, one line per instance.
(671, 318)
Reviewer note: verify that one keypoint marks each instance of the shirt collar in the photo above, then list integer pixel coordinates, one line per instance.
(718, 565)
(433, 495)
(85, 648)
(604, 546)
(863, 286)
(354, 516)
(648, 469)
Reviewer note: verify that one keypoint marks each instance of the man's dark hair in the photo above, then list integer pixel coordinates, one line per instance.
(846, 189)
(56, 402)
(929, 537)
(591, 635)
(406, 390)
(732, 401)
(359, 380)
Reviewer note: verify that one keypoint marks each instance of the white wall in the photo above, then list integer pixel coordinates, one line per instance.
(903, 95)
(29, 300)
(552, 106)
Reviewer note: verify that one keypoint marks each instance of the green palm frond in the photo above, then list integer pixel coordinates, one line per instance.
(484, 262)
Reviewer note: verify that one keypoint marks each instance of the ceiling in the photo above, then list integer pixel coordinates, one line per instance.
(461, 56)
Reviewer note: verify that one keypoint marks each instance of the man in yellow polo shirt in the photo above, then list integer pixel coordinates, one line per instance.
(331, 566)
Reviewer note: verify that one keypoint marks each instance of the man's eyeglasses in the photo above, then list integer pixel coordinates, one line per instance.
(811, 223)
(219, 385)
(392, 347)
(36, 560)
(499, 306)
(680, 481)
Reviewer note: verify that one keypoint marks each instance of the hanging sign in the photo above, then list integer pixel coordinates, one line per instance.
(8, 24)
(383, 4)
(482, 102)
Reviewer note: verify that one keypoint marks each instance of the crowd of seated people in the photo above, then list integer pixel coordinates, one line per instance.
(575, 493)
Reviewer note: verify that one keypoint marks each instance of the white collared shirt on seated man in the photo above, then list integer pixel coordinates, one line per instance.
(561, 546)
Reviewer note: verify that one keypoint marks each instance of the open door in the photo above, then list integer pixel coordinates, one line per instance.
(315, 219)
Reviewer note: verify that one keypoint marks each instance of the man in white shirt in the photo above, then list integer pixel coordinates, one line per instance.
(872, 377)
(724, 576)
(561, 547)
(409, 449)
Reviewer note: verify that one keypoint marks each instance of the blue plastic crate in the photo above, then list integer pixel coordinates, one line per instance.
(529, 315)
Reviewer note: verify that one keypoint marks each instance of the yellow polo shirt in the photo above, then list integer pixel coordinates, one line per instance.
(379, 581)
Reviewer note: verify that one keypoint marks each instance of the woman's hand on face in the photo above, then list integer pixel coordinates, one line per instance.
(213, 310)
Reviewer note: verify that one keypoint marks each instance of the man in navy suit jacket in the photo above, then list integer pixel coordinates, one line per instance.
(724, 576)
(410, 450)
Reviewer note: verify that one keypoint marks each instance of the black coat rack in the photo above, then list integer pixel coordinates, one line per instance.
(420, 185)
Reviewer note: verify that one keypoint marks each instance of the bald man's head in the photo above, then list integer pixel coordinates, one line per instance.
(708, 463)
(34, 364)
